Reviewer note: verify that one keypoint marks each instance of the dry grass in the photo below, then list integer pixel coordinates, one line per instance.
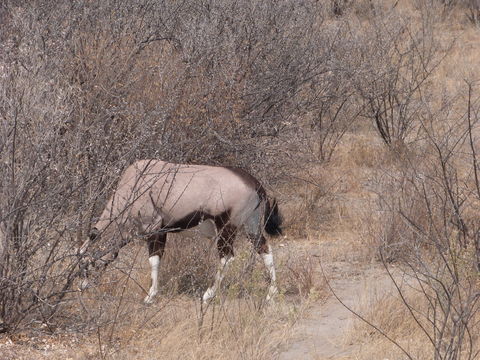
(388, 313)
(238, 324)
(384, 308)
(231, 330)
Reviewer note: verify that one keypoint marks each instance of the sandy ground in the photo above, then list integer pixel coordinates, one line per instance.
(322, 334)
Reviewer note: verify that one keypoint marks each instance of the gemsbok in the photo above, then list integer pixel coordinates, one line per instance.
(154, 198)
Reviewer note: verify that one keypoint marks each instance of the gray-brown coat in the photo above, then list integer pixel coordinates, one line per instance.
(154, 197)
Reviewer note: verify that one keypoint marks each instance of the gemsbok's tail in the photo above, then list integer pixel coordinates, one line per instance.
(273, 218)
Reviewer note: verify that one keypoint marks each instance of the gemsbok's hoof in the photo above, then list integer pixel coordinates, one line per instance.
(149, 300)
(208, 296)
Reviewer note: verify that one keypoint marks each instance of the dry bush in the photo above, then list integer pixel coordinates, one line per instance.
(397, 198)
(311, 208)
(430, 229)
(298, 276)
(389, 314)
(391, 84)
(470, 9)
(58, 155)
(327, 102)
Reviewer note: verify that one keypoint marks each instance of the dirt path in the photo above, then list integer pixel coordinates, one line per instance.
(322, 334)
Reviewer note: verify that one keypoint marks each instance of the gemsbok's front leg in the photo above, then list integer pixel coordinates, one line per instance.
(156, 246)
(225, 251)
(211, 291)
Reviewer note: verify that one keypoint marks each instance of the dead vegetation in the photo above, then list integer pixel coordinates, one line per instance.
(361, 116)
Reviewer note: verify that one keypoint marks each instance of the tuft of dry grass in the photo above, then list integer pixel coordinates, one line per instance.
(383, 307)
(229, 330)
(387, 312)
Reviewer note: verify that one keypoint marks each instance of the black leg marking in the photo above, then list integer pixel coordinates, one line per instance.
(225, 238)
(156, 244)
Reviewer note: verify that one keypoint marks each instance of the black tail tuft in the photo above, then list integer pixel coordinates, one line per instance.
(273, 219)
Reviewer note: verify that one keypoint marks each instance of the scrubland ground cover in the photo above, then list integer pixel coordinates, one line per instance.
(361, 118)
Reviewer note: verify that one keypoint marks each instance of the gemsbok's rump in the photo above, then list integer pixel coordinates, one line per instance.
(154, 198)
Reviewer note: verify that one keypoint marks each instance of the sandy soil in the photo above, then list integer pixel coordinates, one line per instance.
(322, 334)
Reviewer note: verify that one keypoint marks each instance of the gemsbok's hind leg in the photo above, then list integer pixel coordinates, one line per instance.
(156, 246)
(225, 251)
(254, 232)
(265, 251)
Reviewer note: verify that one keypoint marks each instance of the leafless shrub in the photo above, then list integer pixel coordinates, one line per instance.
(433, 233)
(327, 101)
(59, 150)
(473, 11)
(469, 8)
(391, 83)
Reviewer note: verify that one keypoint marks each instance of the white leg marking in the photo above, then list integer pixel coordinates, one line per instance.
(211, 291)
(268, 261)
(154, 264)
